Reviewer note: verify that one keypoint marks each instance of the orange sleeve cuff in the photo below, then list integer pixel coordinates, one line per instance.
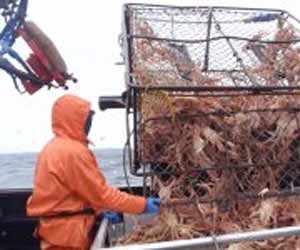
(139, 206)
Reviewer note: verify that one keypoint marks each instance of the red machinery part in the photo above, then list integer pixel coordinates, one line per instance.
(31, 87)
(46, 61)
(35, 64)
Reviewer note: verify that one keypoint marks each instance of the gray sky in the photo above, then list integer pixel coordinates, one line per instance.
(86, 33)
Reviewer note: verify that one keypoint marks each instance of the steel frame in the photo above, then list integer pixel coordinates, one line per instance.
(134, 90)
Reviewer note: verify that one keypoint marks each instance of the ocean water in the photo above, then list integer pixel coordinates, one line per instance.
(17, 170)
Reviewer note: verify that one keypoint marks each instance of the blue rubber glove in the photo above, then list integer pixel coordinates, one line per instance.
(113, 217)
(152, 206)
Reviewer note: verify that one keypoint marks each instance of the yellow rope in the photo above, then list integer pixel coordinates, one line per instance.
(154, 100)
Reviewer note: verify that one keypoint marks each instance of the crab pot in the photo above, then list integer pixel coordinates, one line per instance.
(215, 52)
(215, 111)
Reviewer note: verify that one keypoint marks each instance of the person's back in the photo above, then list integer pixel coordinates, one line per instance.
(53, 195)
(69, 182)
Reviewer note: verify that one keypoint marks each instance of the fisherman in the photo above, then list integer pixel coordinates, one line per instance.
(69, 186)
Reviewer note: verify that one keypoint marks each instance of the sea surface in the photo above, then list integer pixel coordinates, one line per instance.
(17, 170)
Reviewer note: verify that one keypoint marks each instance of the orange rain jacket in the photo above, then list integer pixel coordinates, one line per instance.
(67, 178)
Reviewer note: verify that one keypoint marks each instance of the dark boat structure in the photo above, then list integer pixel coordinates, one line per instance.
(16, 229)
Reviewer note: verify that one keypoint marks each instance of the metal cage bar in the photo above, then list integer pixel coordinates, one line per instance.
(210, 242)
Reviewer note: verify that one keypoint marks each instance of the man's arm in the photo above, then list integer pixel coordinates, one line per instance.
(88, 182)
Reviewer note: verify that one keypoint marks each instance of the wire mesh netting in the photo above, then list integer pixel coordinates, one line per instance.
(238, 145)
(225, 158)
(212, 47)
(235, 133)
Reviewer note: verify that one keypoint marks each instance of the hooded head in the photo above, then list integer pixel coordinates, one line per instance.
(69, 117)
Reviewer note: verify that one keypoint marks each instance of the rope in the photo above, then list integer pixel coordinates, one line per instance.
(153, 98)
(216, 244)
(124, 167)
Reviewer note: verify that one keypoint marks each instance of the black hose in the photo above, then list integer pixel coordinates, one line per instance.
(13, 71)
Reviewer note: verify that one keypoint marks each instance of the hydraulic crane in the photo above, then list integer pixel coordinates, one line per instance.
(45, 65)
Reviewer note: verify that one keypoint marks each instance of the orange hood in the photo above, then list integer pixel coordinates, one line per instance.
(69, 114)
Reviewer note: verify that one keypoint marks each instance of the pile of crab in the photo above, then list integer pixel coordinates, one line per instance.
(221, 163)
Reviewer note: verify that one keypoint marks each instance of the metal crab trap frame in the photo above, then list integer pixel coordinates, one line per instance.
(213, 102)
